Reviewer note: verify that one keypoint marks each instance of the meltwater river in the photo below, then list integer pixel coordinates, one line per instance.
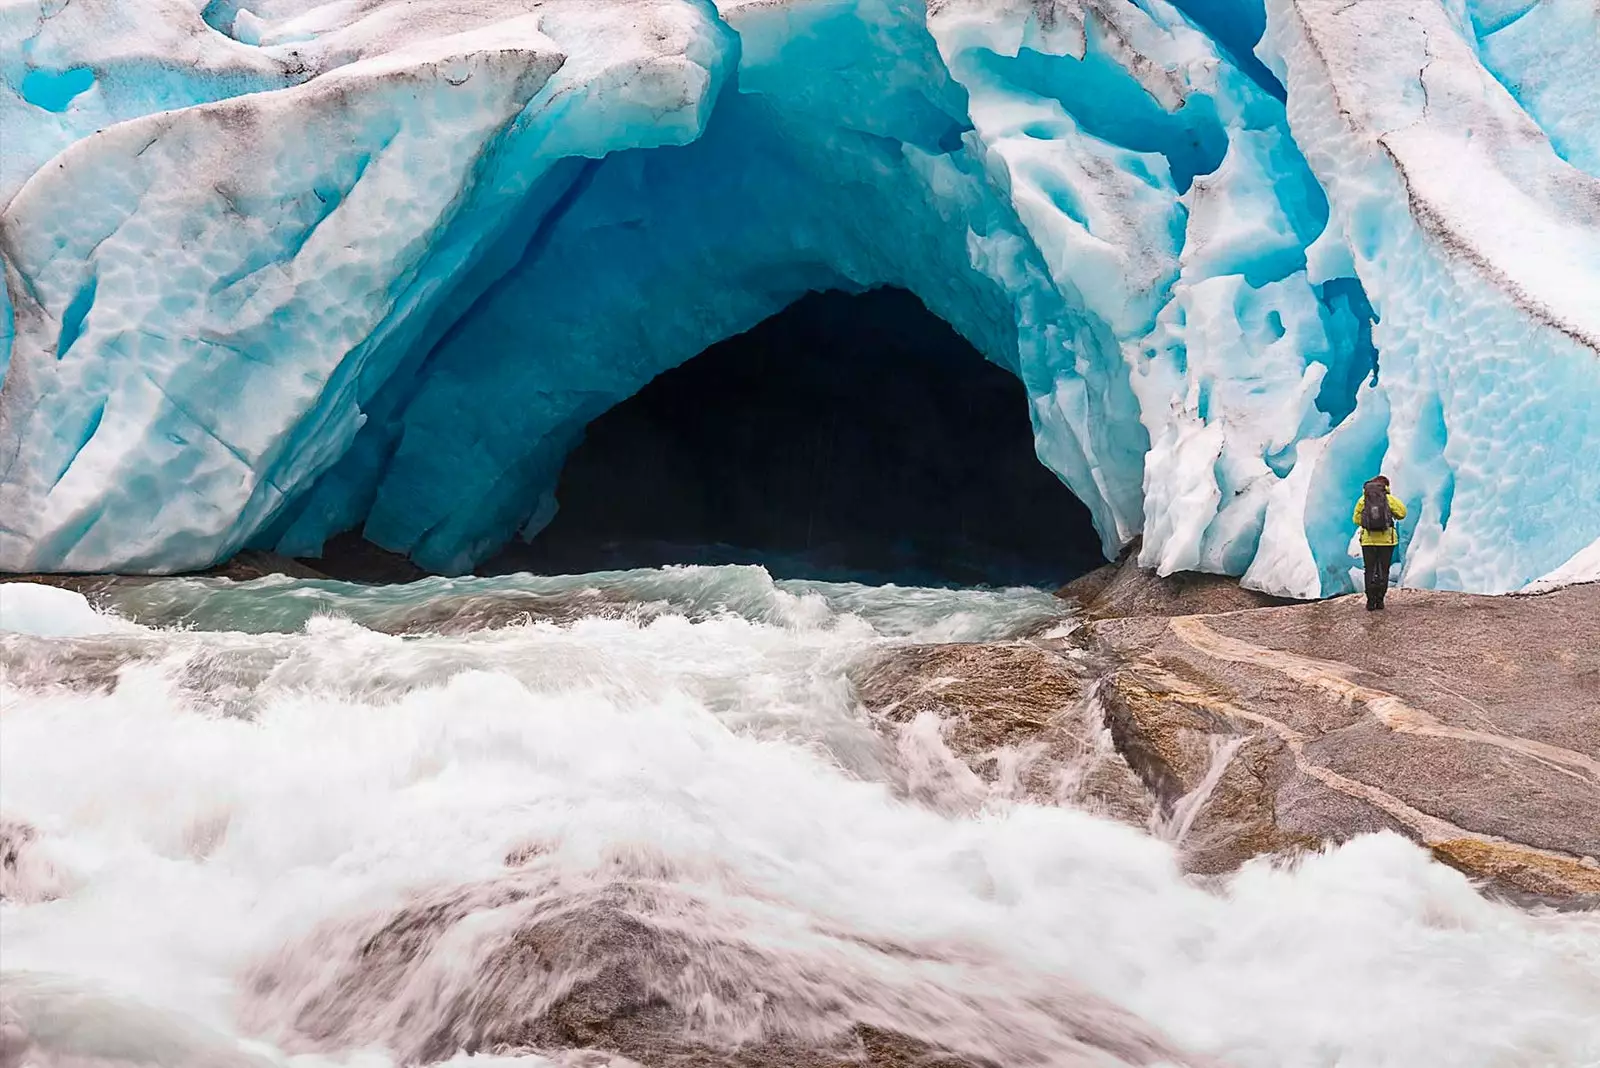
(519, 821)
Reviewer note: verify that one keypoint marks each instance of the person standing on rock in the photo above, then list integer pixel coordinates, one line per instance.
(1377, 512)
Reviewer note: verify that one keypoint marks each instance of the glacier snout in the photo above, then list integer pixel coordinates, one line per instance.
(288, 268)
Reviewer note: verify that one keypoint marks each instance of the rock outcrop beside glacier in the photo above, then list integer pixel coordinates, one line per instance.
(283, 269)
(1464, 723)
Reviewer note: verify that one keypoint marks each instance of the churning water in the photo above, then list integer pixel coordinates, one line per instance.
(312, 824)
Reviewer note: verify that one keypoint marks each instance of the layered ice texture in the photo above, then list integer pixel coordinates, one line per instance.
(279, 269)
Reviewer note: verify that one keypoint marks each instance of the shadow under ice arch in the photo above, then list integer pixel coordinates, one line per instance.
(850, 436)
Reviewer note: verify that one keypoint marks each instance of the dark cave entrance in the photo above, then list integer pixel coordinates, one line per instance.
(850, 436)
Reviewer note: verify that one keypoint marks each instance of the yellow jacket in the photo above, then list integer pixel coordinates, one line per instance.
(1381, 537)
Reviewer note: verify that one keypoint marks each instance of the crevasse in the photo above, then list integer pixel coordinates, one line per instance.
(278, 269)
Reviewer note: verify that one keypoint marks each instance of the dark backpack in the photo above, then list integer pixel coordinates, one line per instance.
(1375, 514)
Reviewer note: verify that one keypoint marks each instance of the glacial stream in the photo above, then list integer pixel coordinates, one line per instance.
(494, 822)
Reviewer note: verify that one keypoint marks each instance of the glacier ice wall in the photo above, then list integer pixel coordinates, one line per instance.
(278, 269)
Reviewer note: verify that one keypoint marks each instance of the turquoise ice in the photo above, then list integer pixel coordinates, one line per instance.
(278, 269)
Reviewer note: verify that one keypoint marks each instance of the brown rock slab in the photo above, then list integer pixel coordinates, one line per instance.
(1470, 724)
(89, 585)
(244, 566)
(1124, 589)
(1085, 588)
(1216, 783)
(640, 969)
(351, 558)
(254, 564)
(1022, 699)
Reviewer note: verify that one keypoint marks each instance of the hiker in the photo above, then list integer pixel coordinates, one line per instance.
(1376, 514)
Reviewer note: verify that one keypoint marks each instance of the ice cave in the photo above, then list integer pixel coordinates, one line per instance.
(280, 272)
(849, 436)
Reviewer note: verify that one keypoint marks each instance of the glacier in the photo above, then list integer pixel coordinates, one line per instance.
(280, 269)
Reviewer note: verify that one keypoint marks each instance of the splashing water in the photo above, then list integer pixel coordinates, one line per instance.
(313, 824)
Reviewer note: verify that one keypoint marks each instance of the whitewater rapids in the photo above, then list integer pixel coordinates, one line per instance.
(314, 824)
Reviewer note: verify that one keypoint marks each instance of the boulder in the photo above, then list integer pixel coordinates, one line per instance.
(254, 564)
(242, 567)
(541, 961)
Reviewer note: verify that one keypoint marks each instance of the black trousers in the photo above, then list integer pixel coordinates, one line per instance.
(1377, 558)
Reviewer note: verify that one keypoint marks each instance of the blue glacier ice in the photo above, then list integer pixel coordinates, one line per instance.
(280, 269)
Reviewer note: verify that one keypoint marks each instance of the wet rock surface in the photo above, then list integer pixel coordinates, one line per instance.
(346, 559)
(242, 567)
(1470, 724)
(467, 613)
(1124, 589)
(1014, 711)
(661, 976)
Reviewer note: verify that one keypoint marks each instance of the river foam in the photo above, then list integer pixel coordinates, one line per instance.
(321, 844)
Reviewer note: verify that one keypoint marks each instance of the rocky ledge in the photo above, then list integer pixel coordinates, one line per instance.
(1469, 724)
